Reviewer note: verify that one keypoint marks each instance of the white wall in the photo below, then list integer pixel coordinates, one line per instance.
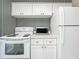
(9, 23)
(0, 17)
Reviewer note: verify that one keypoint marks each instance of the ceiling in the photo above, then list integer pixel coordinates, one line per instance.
(41, 0)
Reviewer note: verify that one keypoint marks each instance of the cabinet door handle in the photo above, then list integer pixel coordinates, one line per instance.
(45, 47)
(37, 42)
(50, 41)
(21, 13)
(42, 47)
(42, 13)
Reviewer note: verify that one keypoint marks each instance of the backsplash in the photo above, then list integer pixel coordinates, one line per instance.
(33, 22)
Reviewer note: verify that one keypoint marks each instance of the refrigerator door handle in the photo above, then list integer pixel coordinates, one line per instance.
(62, 35)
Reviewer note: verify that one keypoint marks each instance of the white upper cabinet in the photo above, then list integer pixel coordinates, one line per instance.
(21, 9)
(43, 48)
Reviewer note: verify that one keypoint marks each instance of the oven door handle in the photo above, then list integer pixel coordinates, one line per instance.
(16, 42)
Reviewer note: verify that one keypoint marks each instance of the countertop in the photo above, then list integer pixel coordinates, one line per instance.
(49, 36)
(33, 36)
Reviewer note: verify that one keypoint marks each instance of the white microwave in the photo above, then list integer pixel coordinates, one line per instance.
(42, 30)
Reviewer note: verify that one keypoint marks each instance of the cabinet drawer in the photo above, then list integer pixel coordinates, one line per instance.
(50, 41)
(36, 41)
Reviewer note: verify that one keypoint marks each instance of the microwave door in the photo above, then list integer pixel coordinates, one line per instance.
(42, 31)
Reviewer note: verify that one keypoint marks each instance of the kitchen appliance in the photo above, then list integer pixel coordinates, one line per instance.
(17, 45)
(23, 31)
(68, 33)
(42, 30)
(14, 47)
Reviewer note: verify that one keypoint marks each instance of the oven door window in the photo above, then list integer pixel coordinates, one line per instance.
(14, 49)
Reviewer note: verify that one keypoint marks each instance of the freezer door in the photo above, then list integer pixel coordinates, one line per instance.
(70, 46)
(71, 16)
(67, 16)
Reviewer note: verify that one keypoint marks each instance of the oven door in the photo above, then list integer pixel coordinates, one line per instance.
(16, 49)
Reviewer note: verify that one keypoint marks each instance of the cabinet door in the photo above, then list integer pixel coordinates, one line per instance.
(42, 9)
(50, 49)
(50, 52)
(36, 52)
(21, 9)
(16, 9)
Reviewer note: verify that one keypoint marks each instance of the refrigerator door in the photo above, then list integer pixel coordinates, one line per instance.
(70, 46)
(69, 16)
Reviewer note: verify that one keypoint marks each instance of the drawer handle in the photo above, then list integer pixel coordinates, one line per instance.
(37, 42)
(50, 41)
(43, 46)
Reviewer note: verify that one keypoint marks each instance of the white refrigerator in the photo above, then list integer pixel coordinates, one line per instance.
(68, 33)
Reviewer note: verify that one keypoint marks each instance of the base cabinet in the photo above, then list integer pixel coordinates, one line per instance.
(43, 52)
(43, 49)
(51, 52)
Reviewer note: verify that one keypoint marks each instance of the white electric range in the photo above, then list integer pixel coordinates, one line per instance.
(18, 46)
